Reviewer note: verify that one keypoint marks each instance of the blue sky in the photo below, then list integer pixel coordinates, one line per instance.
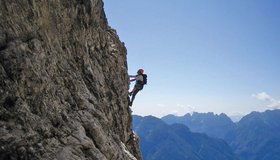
(201, 55)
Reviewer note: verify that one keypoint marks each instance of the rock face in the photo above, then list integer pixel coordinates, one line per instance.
(63, 83)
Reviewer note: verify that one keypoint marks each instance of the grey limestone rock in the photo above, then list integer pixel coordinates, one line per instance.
(63, 83)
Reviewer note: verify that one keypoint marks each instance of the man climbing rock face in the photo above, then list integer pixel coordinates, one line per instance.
(141, 80)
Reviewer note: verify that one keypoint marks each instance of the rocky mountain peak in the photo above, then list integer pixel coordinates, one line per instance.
(63, 83)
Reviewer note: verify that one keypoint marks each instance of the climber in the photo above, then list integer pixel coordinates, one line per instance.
(141, 80)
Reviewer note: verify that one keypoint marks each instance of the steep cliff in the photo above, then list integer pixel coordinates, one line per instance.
(63, 83)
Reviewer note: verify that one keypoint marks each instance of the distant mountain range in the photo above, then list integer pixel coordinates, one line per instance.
(211, 124)
(255, 137)
(160, 141)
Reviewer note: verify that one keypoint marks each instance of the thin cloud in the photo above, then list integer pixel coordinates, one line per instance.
(178, 109)
(263, 96)
(160, 105)
(175, 112)
(183, 109)
(272, 103)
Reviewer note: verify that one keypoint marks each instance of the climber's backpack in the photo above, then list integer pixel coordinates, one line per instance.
(144, 79)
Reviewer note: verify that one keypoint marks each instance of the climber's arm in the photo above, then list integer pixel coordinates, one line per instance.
(132, 76)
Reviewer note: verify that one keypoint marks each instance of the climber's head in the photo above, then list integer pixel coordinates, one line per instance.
(140, 71)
